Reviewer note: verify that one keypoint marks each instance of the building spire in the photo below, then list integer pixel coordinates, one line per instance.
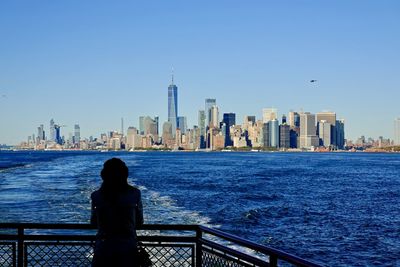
(172, 75)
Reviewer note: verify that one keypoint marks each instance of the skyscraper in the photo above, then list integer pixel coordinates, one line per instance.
(167, 132)
(122, 126)
(294, 119)
(77, 134)
(329, 117)
(340, 136)
(157, 121)
(141, 125)
(248, 121)
(150, 126)
(133, 140)
(182, 124)
(52, 132)
(284, 119)
(274, 133)
(265, 135)
(324, 130)
(57, 132)
(214, 117)
(210, 102)
(229, 119)
(173, 105)
(41, 135)
(284, 136)
(308, 136)
(202, 128)
(397, 131)
(269, 114)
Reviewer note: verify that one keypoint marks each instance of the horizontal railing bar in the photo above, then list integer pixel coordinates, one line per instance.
(67, 226)
(86, 226)
(235, 253)
(30, 243)
(183, 239)
(169, 245)
(169, 227)
(154, 238)
(264, 249)
(59, 237)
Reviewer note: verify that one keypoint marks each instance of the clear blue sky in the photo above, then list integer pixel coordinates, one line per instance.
(93, 62)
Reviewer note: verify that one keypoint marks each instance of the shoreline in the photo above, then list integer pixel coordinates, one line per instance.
(202, 151)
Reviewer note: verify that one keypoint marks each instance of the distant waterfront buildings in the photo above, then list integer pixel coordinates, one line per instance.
(298, 130)
(397, 131)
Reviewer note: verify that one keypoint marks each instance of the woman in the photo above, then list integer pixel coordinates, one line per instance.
(117, 212)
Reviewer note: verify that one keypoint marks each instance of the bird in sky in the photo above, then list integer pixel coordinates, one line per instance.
(313, 81)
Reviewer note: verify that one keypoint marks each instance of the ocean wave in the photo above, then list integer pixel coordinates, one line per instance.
(15, 166)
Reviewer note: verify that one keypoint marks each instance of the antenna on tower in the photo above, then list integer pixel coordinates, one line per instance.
(122, 126)
(172, 74)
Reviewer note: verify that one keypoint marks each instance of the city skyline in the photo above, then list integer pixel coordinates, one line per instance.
(59, 62)
(267, 115)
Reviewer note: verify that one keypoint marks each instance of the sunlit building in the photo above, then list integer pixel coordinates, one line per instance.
(324, 131)
(328, 117)
(308, 136)
(133, 139)
(294, 119)
(167, 133)
(270, 114)
(214, 117)
(210, 102)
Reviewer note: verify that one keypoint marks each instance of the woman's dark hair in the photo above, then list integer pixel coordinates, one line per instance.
(115, 177)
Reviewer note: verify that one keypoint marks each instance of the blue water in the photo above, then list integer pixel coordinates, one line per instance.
(335, 209)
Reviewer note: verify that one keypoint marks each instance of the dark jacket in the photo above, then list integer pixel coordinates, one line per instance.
(116, 217)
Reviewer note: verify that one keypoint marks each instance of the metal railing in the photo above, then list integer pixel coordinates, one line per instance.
(31, 244)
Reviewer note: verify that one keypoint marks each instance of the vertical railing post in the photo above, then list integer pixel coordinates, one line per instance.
(20, 249)
(199, 251)
(273, 261)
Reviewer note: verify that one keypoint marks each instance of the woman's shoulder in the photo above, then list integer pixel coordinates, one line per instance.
(95, 194)
(133, 189)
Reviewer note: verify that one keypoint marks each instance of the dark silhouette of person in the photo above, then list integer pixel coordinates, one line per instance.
(117, 212)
